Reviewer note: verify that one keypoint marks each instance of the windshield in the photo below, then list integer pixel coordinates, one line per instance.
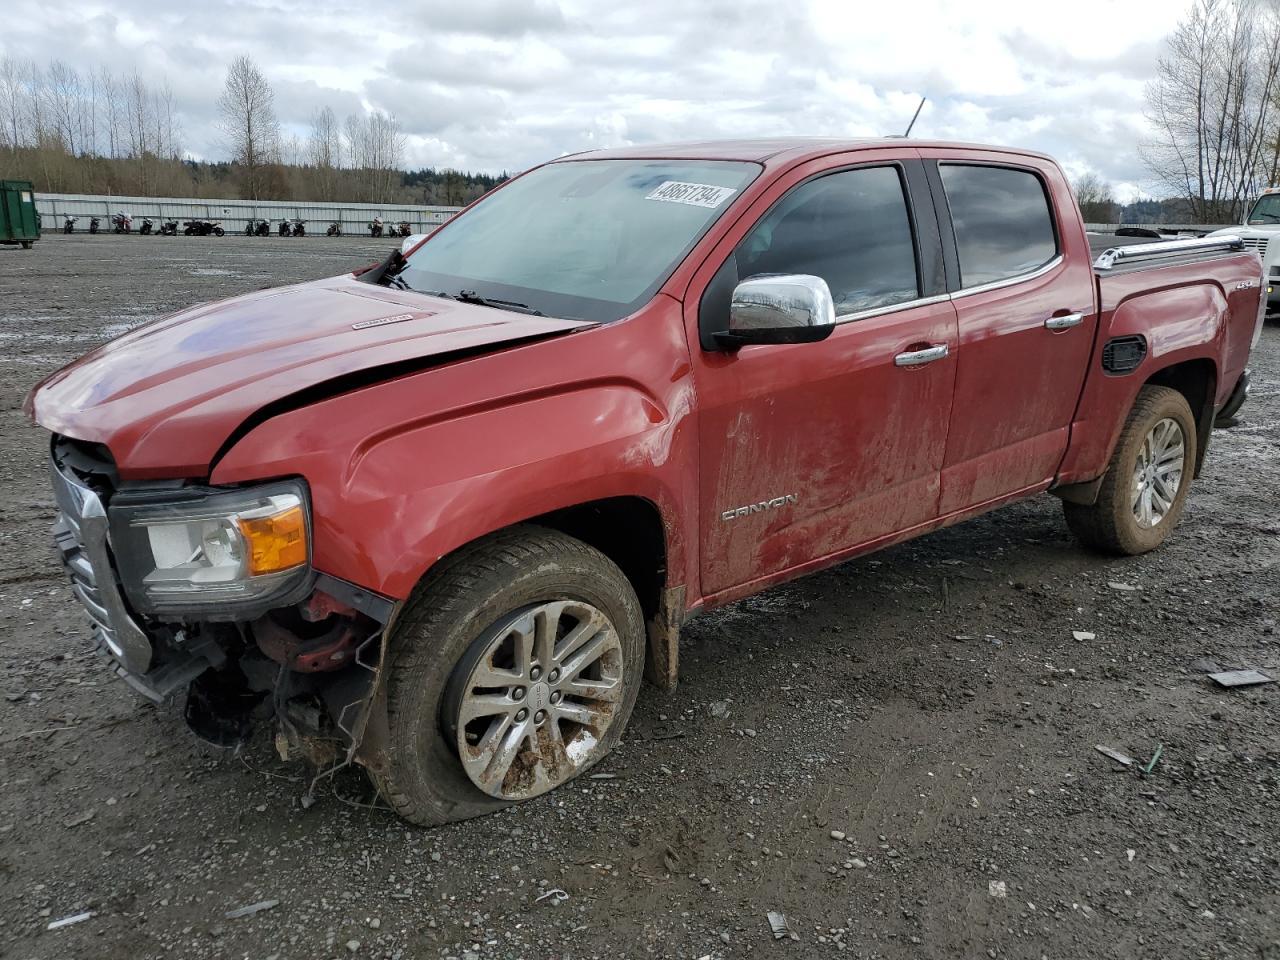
(1266, 210)
(586, 239)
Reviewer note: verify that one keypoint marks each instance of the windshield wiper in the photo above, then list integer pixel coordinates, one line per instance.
(470, 296)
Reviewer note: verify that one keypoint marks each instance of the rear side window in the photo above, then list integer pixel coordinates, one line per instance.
(850, 228)
(1002, 222)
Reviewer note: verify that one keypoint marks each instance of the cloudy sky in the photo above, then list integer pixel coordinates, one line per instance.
(503, 84)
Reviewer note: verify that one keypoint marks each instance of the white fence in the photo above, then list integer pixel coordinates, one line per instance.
(234, 214)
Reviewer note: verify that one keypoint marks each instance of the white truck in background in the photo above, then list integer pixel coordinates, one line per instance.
(1260, 231)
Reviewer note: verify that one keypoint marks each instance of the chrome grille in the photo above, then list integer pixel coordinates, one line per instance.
(80, 533)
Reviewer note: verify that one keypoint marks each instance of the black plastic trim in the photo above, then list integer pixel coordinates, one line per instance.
(946, 230)
(371, 604)
(1123, 355)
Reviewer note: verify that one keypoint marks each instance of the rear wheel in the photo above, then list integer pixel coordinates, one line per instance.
(1145, 489)
(514, 669)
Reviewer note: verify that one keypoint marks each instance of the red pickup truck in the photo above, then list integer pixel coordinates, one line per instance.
(441, 516)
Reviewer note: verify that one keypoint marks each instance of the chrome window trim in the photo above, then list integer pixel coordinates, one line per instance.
(1051, 207)
(1009, 281)
(954, 295)
(890, 308)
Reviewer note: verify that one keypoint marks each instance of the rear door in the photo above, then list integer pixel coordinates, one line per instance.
(810, 450)
(1023, 289)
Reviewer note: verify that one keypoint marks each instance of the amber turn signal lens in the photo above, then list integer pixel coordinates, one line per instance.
(275, 543)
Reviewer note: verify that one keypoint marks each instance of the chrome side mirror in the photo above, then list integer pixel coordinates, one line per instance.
(411, 241)
(779, 308)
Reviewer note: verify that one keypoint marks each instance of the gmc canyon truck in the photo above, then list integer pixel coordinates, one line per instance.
(441, 516)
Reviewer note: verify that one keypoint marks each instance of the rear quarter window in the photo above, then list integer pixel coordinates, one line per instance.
(1002, 221)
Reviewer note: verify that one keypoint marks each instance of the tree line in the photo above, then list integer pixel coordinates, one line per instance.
(104, 132)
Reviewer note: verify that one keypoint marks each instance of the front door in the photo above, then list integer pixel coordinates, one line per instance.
(810, 450)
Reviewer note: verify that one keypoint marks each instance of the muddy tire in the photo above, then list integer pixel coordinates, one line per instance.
(474, 634)
(1142, 497)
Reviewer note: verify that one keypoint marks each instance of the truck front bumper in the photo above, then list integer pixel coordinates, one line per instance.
(154, 669)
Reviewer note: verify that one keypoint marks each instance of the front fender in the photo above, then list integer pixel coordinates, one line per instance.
(404, 472)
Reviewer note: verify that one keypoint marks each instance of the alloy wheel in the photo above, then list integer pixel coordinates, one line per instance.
(1157, 472)
(531, 702)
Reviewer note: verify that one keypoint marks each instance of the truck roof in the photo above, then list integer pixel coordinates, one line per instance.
(776, 149)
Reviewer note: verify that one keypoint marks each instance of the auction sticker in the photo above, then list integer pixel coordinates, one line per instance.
(694, 194)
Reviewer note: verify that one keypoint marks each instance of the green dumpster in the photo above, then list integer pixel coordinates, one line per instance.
(18, 213)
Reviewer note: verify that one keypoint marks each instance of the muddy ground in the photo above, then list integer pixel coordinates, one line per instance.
(929, 703)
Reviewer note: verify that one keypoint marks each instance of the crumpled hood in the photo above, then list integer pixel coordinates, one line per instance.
(164, 398)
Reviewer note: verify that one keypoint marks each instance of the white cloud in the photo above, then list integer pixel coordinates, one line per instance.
(503, 84)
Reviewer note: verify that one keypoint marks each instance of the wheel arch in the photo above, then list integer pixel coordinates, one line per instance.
(632, 531)
(1197, 381)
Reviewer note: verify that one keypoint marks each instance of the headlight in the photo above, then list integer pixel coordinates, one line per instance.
(217, 553)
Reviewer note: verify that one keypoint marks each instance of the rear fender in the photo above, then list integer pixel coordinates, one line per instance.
(1179, 324)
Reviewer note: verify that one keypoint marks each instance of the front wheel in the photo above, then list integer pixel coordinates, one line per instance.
(1145, 489)
(219, 232)
(514, 669)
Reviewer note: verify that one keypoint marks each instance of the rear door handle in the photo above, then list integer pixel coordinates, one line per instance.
(1063, 323)
(914, 358)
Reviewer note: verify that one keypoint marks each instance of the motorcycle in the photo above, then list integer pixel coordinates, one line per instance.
(121, 223)
(299, 228)
(147, 226)
(283, 230)
(169, 228)
(335, 230)
(403, 229)
(257, 228)
(93, 224)
(69, 226)
(375, 227)
(202, 228)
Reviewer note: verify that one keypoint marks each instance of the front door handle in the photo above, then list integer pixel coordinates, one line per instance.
(1063, 323)
(914, 358)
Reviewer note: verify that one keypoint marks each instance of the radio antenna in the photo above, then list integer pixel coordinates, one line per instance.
(914, 116)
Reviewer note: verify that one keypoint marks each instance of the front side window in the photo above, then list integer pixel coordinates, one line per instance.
(584, 239)
(851, 229)
(1266, 210)
(1002, 222)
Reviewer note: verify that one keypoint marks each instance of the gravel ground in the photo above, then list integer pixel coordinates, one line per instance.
(897, 755)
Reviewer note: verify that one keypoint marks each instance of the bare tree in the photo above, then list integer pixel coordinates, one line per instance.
(113, 110)
(1094, 196)
(1213, 106)
(247, 108)
(376, 144)
(63, 93)
(324, 150)
(12, 109)
(167, 131)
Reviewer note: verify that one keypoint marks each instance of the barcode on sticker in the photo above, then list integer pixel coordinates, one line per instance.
(694, 194)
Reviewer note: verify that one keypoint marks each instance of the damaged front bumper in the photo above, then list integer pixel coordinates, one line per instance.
(313, 665)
